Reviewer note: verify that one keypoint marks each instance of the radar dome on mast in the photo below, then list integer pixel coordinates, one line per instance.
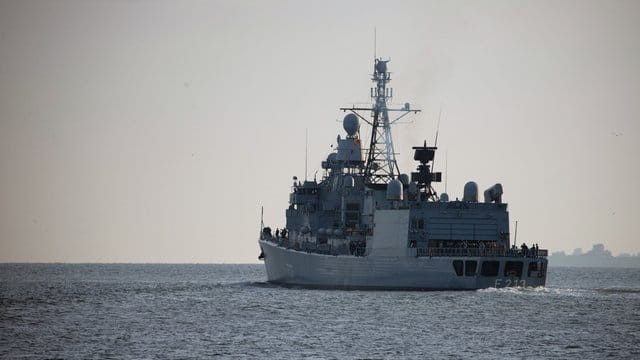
(351, 124)
(394, 190)
(381, 66)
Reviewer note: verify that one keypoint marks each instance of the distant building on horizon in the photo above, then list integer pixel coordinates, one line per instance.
(598, 256)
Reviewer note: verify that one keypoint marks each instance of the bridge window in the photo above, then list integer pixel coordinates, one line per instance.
(490, 268)
(457, 266)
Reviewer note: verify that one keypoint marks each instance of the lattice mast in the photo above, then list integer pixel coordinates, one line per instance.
(381, 166)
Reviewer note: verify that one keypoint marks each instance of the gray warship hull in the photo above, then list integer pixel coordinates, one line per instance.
(366, 225)
(299, 268)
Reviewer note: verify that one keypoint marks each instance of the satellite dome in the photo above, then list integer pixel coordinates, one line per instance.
(394, 190)
(470, 192)
(351, 124)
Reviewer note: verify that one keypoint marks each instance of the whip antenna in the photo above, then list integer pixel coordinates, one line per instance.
(446, 167)
(435, 144)
(438, 126)
(261, 220)
(306, 151)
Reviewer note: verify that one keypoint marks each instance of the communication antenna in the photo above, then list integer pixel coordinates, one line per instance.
(306, 151)
(446, 166)
(261, 219)
(374, 43)
(438, 126)
(516, 235)
(435, 144)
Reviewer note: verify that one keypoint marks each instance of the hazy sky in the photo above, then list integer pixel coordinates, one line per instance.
(152, 131)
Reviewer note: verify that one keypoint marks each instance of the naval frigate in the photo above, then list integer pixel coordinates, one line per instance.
(366, 225)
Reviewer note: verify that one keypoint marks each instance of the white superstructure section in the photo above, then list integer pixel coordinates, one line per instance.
(390, 234)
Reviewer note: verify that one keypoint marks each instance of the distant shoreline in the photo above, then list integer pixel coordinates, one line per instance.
(594, 261)
(598, 256)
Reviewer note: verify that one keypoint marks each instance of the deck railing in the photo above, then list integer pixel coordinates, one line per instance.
(327, 249)
(312, 247)
(487, 252)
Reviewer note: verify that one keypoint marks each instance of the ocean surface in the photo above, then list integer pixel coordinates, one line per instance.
(129, 311)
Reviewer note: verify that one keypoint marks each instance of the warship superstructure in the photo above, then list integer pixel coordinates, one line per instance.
(367, 225)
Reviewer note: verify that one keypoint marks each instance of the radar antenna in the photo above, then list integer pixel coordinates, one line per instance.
(424, 176)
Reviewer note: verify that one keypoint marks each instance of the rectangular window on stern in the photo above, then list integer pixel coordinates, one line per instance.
(470, 267)
(490, 268)
(513, 268)
(457, 266)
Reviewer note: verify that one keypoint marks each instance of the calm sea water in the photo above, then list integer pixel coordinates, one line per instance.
(227, 311)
